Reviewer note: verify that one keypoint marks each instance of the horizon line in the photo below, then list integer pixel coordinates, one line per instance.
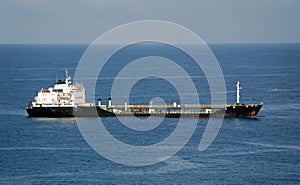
(85, 43)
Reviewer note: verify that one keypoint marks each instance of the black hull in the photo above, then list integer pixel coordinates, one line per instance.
(243, 110)
(58, 112)
(234, 111)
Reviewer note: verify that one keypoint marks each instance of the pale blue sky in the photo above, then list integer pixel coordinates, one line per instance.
(215, 21)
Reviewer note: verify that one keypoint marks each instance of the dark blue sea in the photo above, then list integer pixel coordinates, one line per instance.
(265, 150)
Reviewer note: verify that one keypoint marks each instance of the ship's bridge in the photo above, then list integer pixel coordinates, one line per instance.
(61, 88)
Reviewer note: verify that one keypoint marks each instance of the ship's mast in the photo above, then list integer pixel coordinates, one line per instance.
(238, 88)
(68, 78)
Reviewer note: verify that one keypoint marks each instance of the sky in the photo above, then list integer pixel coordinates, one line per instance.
(215, 21)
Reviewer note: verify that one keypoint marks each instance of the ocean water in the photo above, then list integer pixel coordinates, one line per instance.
(265, 150)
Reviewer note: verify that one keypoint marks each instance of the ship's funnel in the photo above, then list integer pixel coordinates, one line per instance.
(109, 101)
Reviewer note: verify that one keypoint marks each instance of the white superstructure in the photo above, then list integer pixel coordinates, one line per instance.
(63, 94)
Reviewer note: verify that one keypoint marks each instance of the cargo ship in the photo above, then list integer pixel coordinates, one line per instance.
(67, 100)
